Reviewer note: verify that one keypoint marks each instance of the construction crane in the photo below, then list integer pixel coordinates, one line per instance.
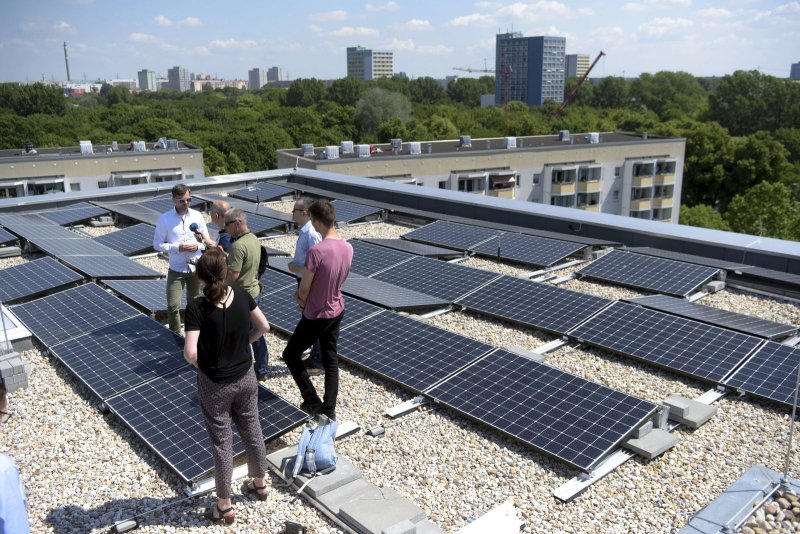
(574, 90)
(505, 73)
(470, 69)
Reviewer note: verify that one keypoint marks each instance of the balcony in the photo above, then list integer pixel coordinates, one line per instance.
(642, 204)
(590, 207)
(664, 179)
(642, 181)
(662, 202)
(563, 189)
(501, 193)
(588, 187)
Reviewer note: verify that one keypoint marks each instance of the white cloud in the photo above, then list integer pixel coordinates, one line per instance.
(142, 38)
(413, 25)
(232, 43)
(64, 27)
(190, 21)
(403, 45)
(487, 5)
(408, 45)
(660, 27)
(22, 42)
(436, 50)
(350, 31)
(475, 19)
(161, 20)
(388, 6)
(521, 12)
(646, 5)
(339, 14)
(314, 28)
(714, 13)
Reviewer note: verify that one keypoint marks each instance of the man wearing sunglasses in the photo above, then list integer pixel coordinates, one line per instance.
(175, 237)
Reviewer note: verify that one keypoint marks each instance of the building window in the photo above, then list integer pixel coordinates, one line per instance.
(537, 177)
(615, 194)
(44, 189)
(102, 184)
(617, 172)
(75, 186)
(443, 184)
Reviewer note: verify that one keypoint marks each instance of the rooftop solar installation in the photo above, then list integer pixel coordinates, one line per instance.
(280, 264)
(72, 214)
(283, 314)
(262, 192)
(448, 281)
(273, 280)
(699, 350)
(34, 278)
(369, 259)
(164, 203)
(350, 211)
(740, 322)
(6, 238)
(114, 358)
(528, 249)
(542, 306)
(275, 252)
(412, 247)
(149, 295)
(450, 234)
(648, 272)
(74, 247)
(132, 211)
(770, 274)
(390, 296)
(165, 414)
(12, 220)
(249, 207)
(572, 419)
(411, 353)
(62, 316)
(688, 258)
(109, 267)
(771, 373)
(34, 232)
(131, 240)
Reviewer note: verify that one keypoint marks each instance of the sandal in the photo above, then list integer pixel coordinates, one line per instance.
(223, 515)
(4, 417)
(249, 488)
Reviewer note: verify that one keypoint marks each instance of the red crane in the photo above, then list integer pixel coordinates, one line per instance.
(574, 90)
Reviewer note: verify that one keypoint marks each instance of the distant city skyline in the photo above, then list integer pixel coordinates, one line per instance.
(427, 38)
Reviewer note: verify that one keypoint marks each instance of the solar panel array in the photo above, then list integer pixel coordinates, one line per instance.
(648, 272)
(390, 296)
(132, 211)
(771, 373)
(74, 213)
(695, 349)
(450, 234)
(406, 351)
(130, 240)
(272, 280)
(562, 415)
(770, 274)
(149, 295)
(747, 324)
(533, 304)
(249, 207)
(165, 413)
(73, 247)
(34, 278)
(528, 249)
(351, 211)
(369, 259)
(109, 267)
(447, 281)
(688, 258)
(412, 247)
(39, 230)
(262, 192)
(6, 238)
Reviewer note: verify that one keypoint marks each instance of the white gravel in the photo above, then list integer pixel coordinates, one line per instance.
(83, 470)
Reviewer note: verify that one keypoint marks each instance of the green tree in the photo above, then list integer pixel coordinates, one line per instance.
(583, 97)
(30, 99)
(426, 90)
(756, 158)
(668, 94)
(392, 128)
(610, 93)
(703, 216)
(346, 91)
(709, 153)
(305, 92)
(214, 162)
(790, 139)
(234, 163)
(466, 91)
(114, 95)
(441, 128)
(766, 209)
(379, 105)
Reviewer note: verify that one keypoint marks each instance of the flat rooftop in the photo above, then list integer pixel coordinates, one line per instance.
(123, 149)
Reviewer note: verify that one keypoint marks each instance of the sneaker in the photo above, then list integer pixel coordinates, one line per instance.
(315, 371)
(310, 409)
(261, 377)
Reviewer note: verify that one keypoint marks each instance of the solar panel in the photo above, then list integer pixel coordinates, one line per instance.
(74, 247)
(370, 259)
(109, 267)
(350, 211)
(249, 207)
(14, 220)
(273, 280)
(450, 234)
(283, 314)
(740, 322)
(34, 278)
(72, 214)
(119, 356)
(280, 264)
(769, 274)
(165, 414)
(572, 419)
(149, 295)
(648, 272)
(262, 192)
(390, 296)
(447, 281)
(528, 249)
(771, 373)
(412, 247)
(35, 232)
(132, 211)
(533, 304)
(128, 241)
(695, 349)
(6, 238)
(62, 316)
(164, 203)
(414, 354)
(688, 258)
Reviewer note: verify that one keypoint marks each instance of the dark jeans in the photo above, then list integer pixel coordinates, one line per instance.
(305, 333)
(260, 349)
(316, 356)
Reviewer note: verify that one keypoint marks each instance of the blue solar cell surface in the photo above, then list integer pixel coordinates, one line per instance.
(131, 240)
(771, 373)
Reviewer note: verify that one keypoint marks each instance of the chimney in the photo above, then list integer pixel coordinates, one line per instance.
(66, 60)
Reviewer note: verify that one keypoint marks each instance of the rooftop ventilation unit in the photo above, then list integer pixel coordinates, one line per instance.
(331, 152)
(346, 147)
(510, 142)
(563, 136)
(307, 149)
(86, 148)
(396, 144)
(414, 147)
(464, 141)
(114, 146)
(160, 144)
(594, 137)
(362, 151)
(172, 144)
(140, 146)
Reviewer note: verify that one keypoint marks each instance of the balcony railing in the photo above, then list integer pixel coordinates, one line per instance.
(664, 179)
(642, 181)
(563, 189)
(662, 202)
(640, 204)
(588, 187)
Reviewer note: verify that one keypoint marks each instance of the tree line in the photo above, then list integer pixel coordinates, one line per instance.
(742, 165)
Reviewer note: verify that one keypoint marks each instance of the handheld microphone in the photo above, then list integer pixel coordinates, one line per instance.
(194, 227)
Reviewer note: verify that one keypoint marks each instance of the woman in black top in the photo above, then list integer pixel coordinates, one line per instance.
(218, 344)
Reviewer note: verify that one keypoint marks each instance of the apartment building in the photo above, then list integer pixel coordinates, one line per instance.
(369, 64)
(529, 69)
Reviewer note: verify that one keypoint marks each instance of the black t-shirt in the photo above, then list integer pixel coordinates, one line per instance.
(223, 351)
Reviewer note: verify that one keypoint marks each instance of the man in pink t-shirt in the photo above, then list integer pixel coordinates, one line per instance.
(322, 303)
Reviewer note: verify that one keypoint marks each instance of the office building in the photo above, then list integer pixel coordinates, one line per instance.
(275, 74)
(575, 65)
(529, 69)
(368, 64)
(178, 79)
(31, 171)
(619, 173)
(147, 80)
(795, 72)
(257, 78)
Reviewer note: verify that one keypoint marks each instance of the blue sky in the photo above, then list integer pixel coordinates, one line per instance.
(308, 39)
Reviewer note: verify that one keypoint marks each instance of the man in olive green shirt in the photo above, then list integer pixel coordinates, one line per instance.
(243, 270)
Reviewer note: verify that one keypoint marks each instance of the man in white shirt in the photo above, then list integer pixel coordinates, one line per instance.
(175, 236)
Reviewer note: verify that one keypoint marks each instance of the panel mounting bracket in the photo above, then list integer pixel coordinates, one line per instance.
(406, 407)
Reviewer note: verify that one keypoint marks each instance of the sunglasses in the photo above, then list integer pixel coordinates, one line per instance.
(231, 222)
(296, 209)
(182, 200)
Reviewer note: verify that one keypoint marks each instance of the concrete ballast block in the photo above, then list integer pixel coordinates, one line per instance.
(654, 444)
(373, 516)
(689, 412)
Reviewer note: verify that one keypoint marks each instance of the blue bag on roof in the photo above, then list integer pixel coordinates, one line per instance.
(315, 451)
